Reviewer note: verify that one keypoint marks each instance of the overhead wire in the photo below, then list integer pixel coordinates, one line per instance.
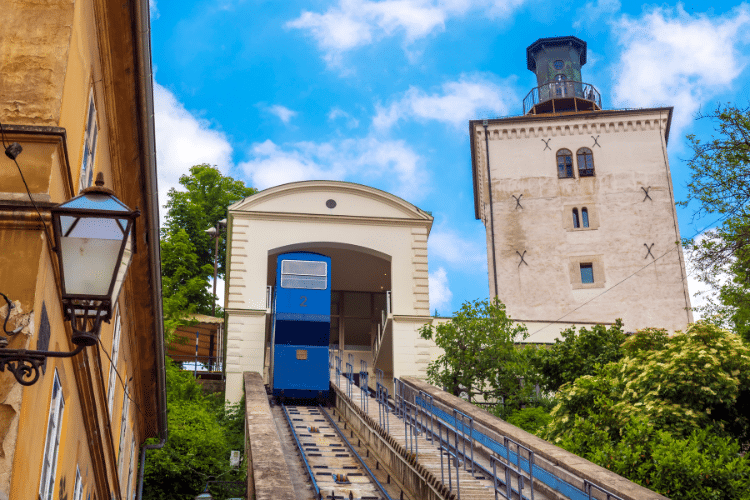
(720, 219)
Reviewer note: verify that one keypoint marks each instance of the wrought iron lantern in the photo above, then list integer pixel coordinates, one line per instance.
(94, 238)
(94, 242)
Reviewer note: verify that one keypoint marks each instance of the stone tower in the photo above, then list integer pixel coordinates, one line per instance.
(578, 204)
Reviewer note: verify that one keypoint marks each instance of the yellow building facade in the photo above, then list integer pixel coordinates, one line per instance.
(75, 93)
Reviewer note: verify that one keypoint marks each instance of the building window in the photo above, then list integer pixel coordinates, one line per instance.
(113, 367)
(587, 273)
(78, 488)
(52, 443)
(564, 164)
(131, 469)
(585, 217)
(576, 224)
(89, 146)
(585, 163)
(123, 429)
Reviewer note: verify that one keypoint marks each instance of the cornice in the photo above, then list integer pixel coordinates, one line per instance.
(413, 318)
(327, 186)
(336, 219)
(568, 127)
(245, 312)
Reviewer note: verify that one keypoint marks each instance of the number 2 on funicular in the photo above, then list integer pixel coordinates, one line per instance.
(304, 301)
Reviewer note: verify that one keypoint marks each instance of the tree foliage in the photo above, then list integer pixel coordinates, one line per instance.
(480, 354)
(689, 395)
(577, 354)
(202, 432)
(200, 206)
(187, 251)
(720, 184)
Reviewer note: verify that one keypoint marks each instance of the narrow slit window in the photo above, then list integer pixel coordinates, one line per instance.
(89, 146)
(52, 444)
(585, 217)
(564, 164)
(576, 223)
(585, 163)
(587, 273)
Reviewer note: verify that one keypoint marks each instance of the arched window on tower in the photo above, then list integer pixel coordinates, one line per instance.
(565, 164)
(585, 163)
(584, 217)
(576, 223)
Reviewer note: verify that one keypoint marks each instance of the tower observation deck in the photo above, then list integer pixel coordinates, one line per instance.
(557, 64)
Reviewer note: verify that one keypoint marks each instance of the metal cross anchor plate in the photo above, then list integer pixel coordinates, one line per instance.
(596, 141)
(518, 200)
(645, 190)
(546, 144)
(522, 255)
(648, 250)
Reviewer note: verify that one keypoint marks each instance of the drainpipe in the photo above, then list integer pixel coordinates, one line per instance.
(142, 35)
(492, 212)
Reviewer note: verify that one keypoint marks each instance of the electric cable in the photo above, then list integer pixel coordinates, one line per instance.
(12, 155)
(720, 219)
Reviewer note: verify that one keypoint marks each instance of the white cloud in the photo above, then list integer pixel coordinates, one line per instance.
(183, 140)
(458, 102)
(452, 249)
(283, 113)
(387, 162)
(337, 113)
(440, 294)
(594, 14)
(355, 23)
(154, 11)
(672, 57)
(702, 293)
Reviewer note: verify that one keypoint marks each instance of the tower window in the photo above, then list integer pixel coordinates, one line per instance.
(584, 217)
(564, 164)
(587, 273)
(559, 64)
(576, 223)
(585, 162)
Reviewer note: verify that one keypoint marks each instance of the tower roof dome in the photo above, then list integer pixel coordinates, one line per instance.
(557, 41)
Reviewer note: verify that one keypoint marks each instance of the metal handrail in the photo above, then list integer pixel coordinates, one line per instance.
(561, 90)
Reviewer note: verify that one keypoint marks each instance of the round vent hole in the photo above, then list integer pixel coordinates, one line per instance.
(331, 203)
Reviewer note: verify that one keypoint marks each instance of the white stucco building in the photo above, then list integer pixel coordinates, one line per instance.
(578, 205)
(378, 246)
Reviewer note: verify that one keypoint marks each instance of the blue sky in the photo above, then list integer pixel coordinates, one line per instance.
(380, 93)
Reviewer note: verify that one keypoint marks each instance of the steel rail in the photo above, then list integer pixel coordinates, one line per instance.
(302, 451)
(356, 455)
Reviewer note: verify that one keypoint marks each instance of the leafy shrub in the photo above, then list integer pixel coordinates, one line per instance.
(578, 354)
(531, 420)
(699, 466)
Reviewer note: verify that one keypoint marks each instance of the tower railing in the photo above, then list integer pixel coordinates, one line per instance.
(579, 95)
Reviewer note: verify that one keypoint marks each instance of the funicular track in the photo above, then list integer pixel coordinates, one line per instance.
(335, 468)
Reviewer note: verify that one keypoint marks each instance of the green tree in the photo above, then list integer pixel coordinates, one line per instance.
(687, 396)
(187, 251)
(577, 354)
(200, 206)
(480, 353)
(202, 432)
(720, 184)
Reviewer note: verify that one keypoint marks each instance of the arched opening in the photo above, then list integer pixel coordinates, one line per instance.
(585, 162)
(564, 164)
(585, 216)
(576, 222)
(360, 291)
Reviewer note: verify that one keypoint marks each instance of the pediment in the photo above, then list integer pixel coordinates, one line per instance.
(314, 198)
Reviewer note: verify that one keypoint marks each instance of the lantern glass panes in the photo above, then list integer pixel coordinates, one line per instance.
(95, 242)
